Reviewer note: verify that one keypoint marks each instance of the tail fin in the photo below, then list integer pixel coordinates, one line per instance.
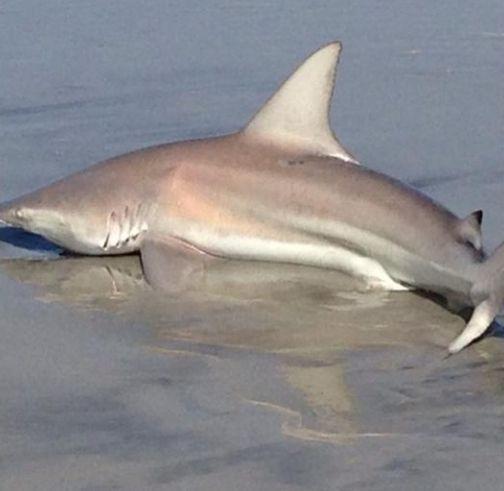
(487, 295)
(482, 317)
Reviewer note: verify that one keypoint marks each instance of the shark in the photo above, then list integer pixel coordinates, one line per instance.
(283, 189)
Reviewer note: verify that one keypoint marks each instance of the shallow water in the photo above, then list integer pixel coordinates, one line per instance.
(261, 376)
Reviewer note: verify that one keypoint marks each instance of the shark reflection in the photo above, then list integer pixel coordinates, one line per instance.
(308, 319)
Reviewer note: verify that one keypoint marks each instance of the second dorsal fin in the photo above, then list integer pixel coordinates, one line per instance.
(469, 229)
(298, 113)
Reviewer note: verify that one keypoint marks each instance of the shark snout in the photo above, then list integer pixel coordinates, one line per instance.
(35, 219)
(12, 214)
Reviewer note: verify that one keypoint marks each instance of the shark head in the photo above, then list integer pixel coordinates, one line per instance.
(33, 217)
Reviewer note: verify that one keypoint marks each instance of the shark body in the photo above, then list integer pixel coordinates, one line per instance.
(283, 189)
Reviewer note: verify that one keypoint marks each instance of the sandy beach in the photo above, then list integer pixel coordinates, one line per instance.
(260, 376)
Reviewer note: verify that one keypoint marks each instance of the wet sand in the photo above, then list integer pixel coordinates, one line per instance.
(258, 376)
(295, 380)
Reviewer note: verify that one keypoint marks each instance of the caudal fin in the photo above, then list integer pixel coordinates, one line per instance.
(482, 317)
(488, 298)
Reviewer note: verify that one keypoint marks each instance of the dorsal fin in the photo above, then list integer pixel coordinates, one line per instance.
(469, 229)
(299, 111)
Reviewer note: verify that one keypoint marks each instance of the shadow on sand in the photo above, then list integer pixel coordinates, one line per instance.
(26, 240)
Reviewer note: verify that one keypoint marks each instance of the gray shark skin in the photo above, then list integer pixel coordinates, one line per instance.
(284, 190)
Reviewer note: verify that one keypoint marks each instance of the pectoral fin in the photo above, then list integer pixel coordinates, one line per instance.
(481, 319)
(171, 264)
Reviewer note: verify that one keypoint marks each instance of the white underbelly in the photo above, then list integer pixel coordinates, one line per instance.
(309, 253)
(330, 245)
